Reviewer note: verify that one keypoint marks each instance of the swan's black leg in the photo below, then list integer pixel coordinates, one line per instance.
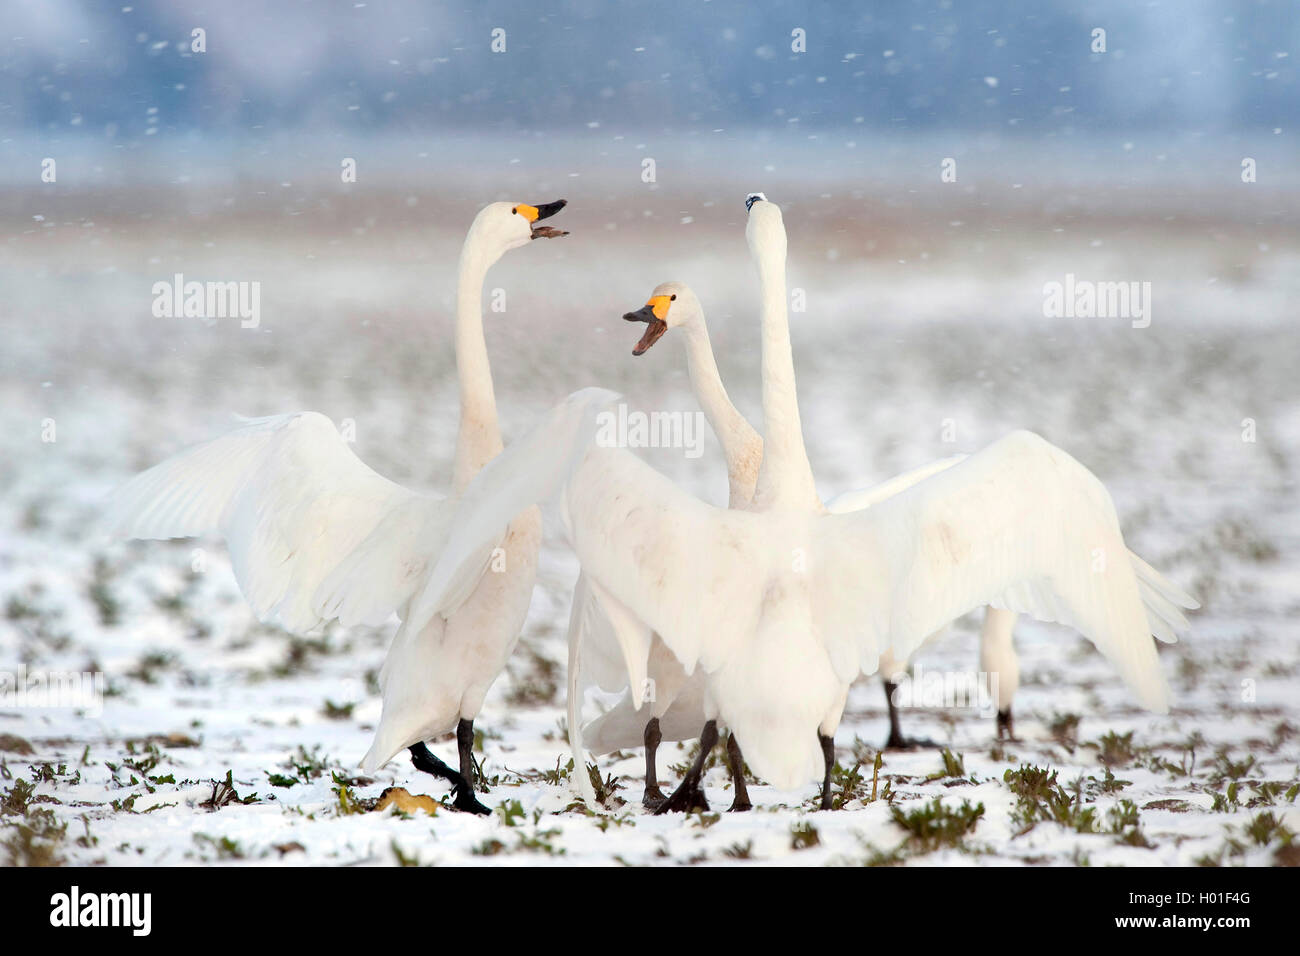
(896, 739)
(465, 744)
(736, 764)
(828, 757)
(653, 797)
(1006, 725)
(423, 759)
(688, 796)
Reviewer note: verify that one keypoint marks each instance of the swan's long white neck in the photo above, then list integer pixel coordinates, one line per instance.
(479, 438)
(785, 479)
(738, 438)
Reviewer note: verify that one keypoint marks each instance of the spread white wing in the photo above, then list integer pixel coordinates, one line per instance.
(1021, 525)
(689, 571)
(866, 497)
(313, 532)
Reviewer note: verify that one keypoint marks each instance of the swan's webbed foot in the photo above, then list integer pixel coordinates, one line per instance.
(1007, 727)
(466, 802)
(424, 760)
(689, 796)
(899, 742)
(653, 798)
(896, 739)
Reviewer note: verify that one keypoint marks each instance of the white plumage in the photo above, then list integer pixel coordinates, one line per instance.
(315, 534)
(783, 606)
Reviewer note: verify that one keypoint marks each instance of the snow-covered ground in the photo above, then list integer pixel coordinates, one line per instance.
(923, 308)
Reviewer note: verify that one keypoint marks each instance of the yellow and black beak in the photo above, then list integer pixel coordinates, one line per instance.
(535, 214)
(653, 314)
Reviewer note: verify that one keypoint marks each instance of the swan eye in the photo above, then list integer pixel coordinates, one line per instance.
(673, 297)
(514, 211)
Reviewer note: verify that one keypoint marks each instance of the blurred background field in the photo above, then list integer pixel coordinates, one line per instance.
(924, 304)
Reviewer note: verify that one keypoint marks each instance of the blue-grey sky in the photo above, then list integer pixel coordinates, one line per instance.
(120, 68)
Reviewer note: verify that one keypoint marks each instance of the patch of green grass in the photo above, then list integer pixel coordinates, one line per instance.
(1266, 827)
(846, 785)
(11, 743)
(348, 802)
(1064, 729)
(299, 654)
(14, 800)
(1116, 750)
(1108, 784)
(333, 711)
(151, 664)
(226, 848)
(740, 851)
(17, 609)
(804, 835)
(223, 794)
(401, 858)
(1264, 831)
(954, 765)
(849, 785)
(35, 840)
(1283, 732)
(87, 840)
(540, 841)
(1267, 793)
(537, 683)
(1040, 798)
(692, 752)
(101, 595)
(1225, 768)
(1126, 824)
(489, 847)
(1171, 804)
(512, 813)
(303, 767)
(1029, 782)
(934, 826)
(606, 820)
(1226, 802)
(605, 788)
(1239, 536)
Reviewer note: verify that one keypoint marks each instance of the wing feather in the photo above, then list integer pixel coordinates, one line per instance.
(1022, 526)
(294, 503)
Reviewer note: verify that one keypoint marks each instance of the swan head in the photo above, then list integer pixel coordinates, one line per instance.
(502, 226)
(671, 304)
(765, 230)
